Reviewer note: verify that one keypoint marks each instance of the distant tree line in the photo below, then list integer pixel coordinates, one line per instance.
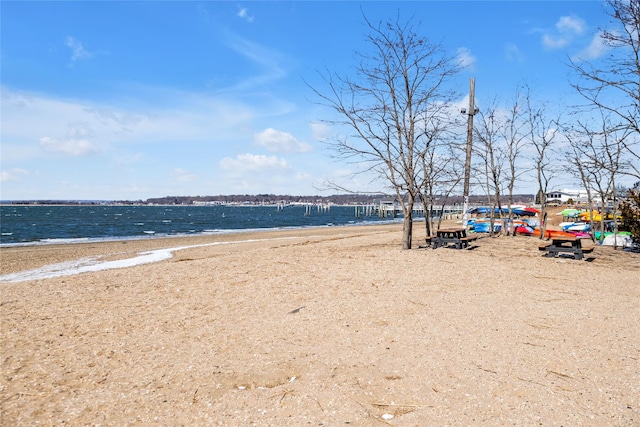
(336, 199)
(267, 199)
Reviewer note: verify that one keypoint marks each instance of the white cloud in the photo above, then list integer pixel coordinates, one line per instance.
(513, 53)
(554, 42)
(280, 142)
(182, 175)
(273, 64)
(465, 58)
(143, 137)
(79, 131)
(72, 146)
(571, 24)
(244, 14)
(596, 49)
(77, 143)
(171, 116)
(109, 116)
(567, 28)
(253, 162)
(77, 49)
(12, 174)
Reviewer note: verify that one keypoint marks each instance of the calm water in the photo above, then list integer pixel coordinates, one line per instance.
(50, 224)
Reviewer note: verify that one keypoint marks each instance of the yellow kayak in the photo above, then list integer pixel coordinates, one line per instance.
(586, 216)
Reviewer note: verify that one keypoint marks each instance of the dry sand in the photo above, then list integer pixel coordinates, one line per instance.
(323, 327)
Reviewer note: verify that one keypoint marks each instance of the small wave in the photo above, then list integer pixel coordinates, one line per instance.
(7, 234)
(92, 264)
(149, 232)
(68, 240)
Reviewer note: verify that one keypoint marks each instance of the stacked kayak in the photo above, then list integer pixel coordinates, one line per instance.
(483, 225)
(575, 226)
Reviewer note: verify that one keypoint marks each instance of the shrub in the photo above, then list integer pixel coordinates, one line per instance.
(630, 211)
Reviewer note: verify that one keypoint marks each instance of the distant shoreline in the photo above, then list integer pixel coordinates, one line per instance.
(355, 199)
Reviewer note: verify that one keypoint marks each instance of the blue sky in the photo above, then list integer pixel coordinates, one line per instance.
(131, 100)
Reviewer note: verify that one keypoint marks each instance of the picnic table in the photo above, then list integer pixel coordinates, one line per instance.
(447, 236)
(571, 245)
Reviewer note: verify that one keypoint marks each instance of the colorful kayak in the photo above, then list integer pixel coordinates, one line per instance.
(483, 225)
(552, 233)
(586, 216)
(575, 226)
(571, 213)
(524, 229)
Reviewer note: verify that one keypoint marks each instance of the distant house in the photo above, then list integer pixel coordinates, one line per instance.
(564, 195)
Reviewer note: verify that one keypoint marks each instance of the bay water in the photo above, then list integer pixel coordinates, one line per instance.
(41, 224)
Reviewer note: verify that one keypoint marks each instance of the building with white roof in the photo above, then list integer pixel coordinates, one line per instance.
(564, 195)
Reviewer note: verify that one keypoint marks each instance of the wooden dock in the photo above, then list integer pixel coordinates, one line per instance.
(393, 210)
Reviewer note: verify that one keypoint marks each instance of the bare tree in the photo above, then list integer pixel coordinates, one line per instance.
(581, 143)
(491, 152)
(502, 134)
(384, 105)
(613, 82)
(542, 132)
(598, 155)
(514, 136)
(442, 168)
(439, 160)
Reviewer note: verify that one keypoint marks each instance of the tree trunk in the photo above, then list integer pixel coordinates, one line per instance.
(427, 215)
(407, 224)
(407, 232)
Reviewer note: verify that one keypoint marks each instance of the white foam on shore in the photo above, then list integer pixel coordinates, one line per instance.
(91, 264)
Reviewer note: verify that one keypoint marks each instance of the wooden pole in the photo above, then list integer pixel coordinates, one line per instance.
(467, 165)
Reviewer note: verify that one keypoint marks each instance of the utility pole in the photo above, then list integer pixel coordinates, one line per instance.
(467, 165)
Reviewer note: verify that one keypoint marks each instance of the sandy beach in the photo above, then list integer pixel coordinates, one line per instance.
(322, 327)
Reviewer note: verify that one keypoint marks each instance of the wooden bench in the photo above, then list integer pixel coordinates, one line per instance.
(460, 242)
(464, 241)
(570, 245)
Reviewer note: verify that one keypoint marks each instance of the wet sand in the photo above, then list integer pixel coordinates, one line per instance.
(334, 326)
